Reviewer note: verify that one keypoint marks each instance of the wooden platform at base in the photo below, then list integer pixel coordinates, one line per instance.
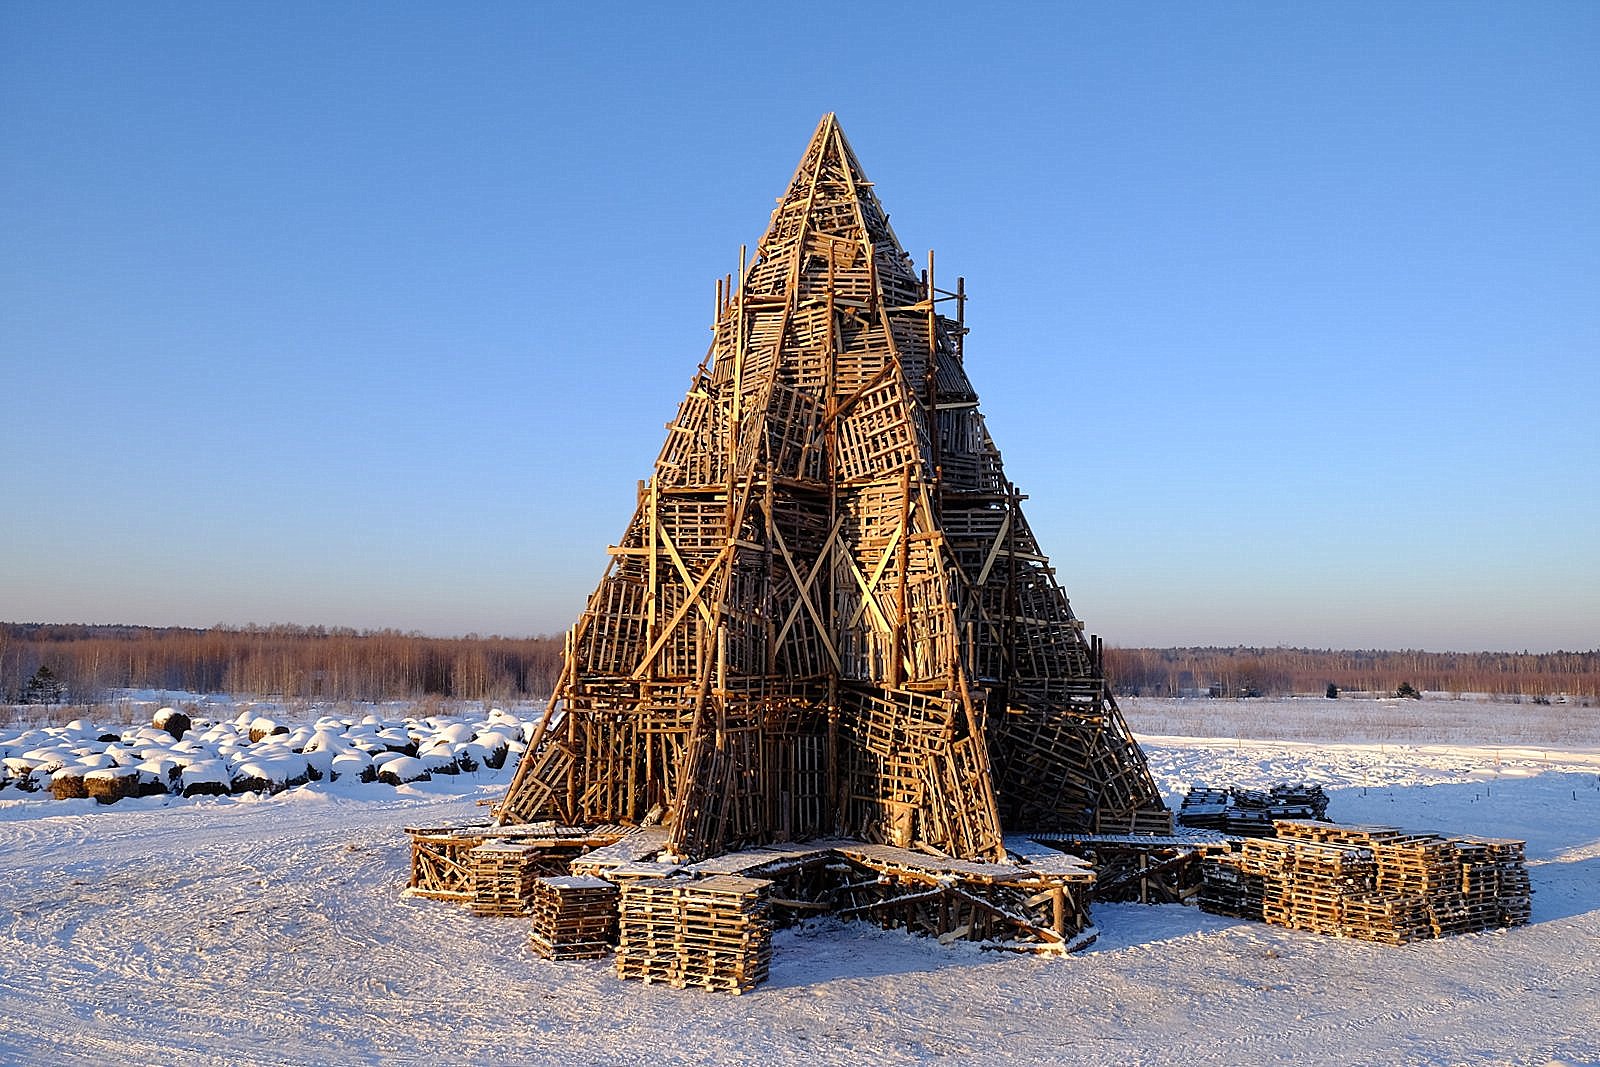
(1147, 868)
(589, 888)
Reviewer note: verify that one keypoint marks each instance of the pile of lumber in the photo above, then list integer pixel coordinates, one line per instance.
(574, 917)
(711, 933)
(708, 923)
(1374, 883)
(1251, 812)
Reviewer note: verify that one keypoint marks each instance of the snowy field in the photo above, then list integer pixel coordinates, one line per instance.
(272, 929)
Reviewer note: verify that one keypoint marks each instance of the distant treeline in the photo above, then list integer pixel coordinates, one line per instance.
(82, 663)
(1284, 671)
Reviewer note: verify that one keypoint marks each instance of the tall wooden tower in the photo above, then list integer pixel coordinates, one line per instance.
(828, 615)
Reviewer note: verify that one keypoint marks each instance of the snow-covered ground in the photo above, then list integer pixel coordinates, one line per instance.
(272, 929)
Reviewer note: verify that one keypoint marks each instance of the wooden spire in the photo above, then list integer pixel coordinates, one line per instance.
(828, 614)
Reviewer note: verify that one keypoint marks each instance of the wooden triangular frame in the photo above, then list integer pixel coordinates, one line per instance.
(829, 615)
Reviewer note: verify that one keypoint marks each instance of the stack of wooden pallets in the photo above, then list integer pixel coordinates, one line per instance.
(574, 917)
(712, 933)
(503, 873)
(1251, 812)
(1317, 878)
(1514, 891)
(1227, 888)
(1375, 883)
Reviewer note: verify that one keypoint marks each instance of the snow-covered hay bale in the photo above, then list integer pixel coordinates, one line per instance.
(160, 774)
(262, 727)
(151, 783)
(173, 722)
(47, 760)
(123, 754)
(111, 784)
(326, 739)
(68, 784)
(24, 773)
(439, 756)
(397, 740)
(355, 764)
(403, 769)
(217, 733)
(80, 730)
(456, 731)
(205, 778)
(318, 764)
(295, 740)
(384, 755)
(470, 757)
(251, 776)
(495, 745)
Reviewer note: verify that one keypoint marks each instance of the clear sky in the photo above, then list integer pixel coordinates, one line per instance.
(1285, 316)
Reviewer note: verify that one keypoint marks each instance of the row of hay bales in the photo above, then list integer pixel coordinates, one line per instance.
(177, 755)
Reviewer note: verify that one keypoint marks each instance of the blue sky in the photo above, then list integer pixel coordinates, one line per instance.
(1285, 316)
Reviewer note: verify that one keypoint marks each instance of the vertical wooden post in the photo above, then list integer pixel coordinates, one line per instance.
(931, 394)
(653, 580)
(902, 563)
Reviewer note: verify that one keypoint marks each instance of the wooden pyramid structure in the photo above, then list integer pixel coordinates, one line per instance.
(828, 615)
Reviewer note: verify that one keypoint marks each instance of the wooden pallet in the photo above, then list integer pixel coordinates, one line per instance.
(440, 868)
